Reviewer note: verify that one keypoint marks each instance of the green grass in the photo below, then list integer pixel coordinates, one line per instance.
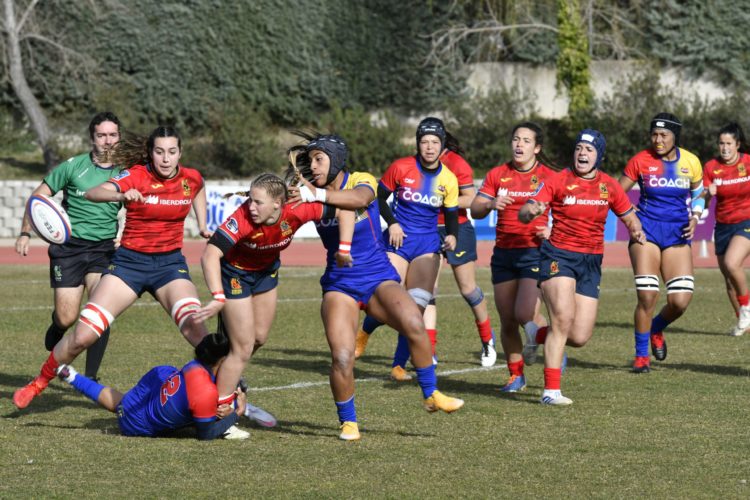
(680, 431)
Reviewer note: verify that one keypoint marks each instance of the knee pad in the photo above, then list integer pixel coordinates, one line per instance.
(647, 282)
(96, 317)
(421, 296)
(183, 309)
(681, 284)
(474, 297)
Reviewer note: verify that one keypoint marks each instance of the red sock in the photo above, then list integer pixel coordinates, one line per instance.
(541, 335)
(552, 379)
(49, 368)
(228, 400)
(485, 330)
(744, 299)
(432, 333)
(516, 368)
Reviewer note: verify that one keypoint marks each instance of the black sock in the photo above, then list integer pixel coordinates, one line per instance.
(95, 354)
(54, 334)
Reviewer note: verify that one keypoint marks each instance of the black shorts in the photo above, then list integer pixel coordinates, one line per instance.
(70, 262)
(466, 244)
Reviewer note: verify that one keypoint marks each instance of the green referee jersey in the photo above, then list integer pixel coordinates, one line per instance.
(89, 220)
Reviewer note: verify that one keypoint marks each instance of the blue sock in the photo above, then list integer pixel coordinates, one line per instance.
(346, 410)
(401, 356)
(659, 324)
(641, 344)
(370, 324)
(427, 380)
(87, 387)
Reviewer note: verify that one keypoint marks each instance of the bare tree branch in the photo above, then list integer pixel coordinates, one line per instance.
(26, 14)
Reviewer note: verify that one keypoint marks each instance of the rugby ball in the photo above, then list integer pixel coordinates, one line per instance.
(48, 219)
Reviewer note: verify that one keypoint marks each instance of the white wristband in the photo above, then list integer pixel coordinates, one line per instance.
(308, 195)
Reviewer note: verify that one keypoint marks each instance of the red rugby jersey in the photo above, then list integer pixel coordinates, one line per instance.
(465, 175)
(732, 189)
(257, 246)
(579, 209)
(158, 224)
(505, 180)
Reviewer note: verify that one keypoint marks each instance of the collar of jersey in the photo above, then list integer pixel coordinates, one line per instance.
(343, 182)
(426, 171)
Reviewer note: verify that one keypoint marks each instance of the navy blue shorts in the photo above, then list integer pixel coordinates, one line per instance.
(723, 234)
(585, 268)
(514, 263)
(70, 262)
(147, 272)
(360, 285)
(132, 412)
(415, 244)
(664, 234)
(466, 246)
(239, 283)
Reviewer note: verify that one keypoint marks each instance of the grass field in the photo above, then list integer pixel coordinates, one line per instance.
(681, 431)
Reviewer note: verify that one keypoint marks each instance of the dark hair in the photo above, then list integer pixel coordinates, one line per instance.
(452, 144)
(733, 129)
(539, 139)
(212, 348)
(299, 156)
(136, 149)
(99, 118)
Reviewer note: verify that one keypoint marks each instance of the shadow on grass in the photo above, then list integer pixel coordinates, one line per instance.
(32, 167)
(669, 330)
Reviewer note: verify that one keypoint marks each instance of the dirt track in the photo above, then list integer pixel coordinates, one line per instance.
(311, 253)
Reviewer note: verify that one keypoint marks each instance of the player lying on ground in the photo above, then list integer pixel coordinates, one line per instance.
(166, 399)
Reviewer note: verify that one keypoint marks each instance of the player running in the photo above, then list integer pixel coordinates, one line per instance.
(158, 194)
(241, 264)
(421, 187)
(79, 263)
(371, 283)
(167, 399)
(570, 264)
(668, 177)
(515, 258)
(728, 178)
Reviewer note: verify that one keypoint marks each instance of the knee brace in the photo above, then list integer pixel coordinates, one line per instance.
(647, 282)
(183, 309)
(474, 297)
(421, 296)
(96, 317)
(681, 284)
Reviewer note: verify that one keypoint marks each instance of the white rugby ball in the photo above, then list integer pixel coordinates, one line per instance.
(48, 219)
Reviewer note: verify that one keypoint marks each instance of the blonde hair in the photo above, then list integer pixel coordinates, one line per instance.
(272, 183)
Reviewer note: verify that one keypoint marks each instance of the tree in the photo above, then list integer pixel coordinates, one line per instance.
(573, 57)
(14, 33)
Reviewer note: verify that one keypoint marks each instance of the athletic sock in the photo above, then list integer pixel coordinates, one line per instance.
(516, 368)
(95, 354)
(370, 324)
(49, 368)
(432, 333)
(485, 330)
(346, 410)
(427, 380)
(744, 300)
(552, 379)
(54, 334)
(658, 324)
(401, 356)
(87, 387)
(641, 343)
(541, 335)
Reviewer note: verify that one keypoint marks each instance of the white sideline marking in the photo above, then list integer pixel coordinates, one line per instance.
(305, 385)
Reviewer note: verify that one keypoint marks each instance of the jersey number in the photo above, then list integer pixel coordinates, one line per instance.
(169, 388)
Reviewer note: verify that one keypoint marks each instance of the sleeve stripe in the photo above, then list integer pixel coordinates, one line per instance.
(485, 195)
(365, 185)
(626, 212)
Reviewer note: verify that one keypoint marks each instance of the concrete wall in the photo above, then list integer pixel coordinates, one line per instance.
(605, 75)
